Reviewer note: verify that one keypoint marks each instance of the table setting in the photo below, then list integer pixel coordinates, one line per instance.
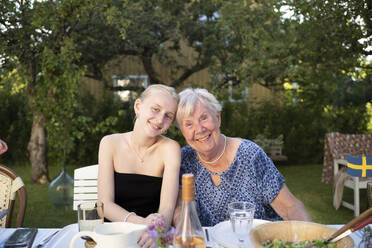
(241, 230)
(213, 236)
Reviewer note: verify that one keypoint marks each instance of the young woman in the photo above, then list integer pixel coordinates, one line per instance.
(139, 170)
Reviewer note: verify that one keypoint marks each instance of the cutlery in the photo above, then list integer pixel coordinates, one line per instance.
(353, 229)
(207, 234)
(350, 224)
(207, 237)
(46, 240)
(3, 213)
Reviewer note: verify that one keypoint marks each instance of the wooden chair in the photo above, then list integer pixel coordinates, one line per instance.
(354, 183)
(85, 185)
(10, 186)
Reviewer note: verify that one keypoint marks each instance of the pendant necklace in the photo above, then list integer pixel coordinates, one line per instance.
(214, 161)
(141, 159)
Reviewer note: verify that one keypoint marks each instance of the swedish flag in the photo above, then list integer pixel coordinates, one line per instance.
(359, 166)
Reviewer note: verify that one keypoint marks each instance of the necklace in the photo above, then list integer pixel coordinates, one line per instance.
(214, 161)
(140, 158)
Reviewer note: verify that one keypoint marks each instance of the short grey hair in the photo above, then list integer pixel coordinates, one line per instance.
(190, 97)
(161, 87)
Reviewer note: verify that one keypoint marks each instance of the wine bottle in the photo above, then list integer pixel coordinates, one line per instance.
(189, 232)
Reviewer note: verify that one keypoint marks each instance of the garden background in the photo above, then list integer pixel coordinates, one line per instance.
(313, 58)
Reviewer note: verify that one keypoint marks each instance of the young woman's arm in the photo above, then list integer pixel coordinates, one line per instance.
(169, 190)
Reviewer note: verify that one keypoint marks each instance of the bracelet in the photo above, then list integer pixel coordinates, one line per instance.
(127, 216)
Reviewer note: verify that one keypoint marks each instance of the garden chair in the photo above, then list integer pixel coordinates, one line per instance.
(10, 186)
(85, 185)
(354, 183)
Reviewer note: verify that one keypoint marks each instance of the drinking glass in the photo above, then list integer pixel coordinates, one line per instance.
(241, 218)
(90, 215)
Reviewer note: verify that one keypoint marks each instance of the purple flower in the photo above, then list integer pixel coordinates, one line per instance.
(153, 233)
(157, 231)
(151, 226)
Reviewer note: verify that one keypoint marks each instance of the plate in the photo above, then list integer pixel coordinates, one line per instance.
(222, 234)
(63, 238)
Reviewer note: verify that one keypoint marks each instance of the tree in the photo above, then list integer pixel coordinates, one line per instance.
(36, 39)
(150, 28)
(320, 37)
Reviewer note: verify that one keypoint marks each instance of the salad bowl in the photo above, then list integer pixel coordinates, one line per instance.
(295, 232)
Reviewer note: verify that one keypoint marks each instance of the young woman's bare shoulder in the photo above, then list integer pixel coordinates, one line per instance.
(169, 144)
(112, 139)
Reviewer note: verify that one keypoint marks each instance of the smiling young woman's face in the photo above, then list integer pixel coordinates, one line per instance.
(201, 129)
(156, 112)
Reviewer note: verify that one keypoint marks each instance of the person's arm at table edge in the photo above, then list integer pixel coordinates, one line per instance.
(289, 207)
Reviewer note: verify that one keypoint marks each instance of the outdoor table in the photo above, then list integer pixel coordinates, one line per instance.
(63, 237)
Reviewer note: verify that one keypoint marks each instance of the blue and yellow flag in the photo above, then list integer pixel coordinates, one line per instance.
(359, 166)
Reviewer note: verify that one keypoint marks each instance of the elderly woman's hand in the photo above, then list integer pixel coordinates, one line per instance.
(3, 147)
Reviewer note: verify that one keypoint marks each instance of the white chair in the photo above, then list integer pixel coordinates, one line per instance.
(354, 183)
(85, 185)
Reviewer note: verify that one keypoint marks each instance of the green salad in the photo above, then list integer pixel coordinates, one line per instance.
(279, 243)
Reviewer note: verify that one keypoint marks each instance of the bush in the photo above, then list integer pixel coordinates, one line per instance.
(100, 118)
(303, 126)
(15, 125)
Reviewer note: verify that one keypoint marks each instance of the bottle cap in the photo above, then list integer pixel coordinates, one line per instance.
(188, 187)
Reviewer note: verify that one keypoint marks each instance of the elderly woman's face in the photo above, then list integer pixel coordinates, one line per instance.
(201, 129)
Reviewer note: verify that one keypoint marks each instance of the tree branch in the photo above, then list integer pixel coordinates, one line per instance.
(186, 74)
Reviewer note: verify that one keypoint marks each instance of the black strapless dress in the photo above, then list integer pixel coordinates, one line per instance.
(138, 193)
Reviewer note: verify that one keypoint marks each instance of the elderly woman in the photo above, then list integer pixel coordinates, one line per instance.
(229, 169)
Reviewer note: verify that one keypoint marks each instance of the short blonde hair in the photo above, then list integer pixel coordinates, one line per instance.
(164, 88)
(190, 97)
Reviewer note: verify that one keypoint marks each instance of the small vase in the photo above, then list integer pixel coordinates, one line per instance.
(61, 191)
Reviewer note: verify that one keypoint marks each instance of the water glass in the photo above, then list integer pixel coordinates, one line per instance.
(90, 215)
(241, 218)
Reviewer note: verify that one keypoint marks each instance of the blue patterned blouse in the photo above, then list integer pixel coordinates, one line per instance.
(251, 177)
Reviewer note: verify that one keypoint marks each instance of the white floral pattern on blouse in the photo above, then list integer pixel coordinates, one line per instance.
(252, 177)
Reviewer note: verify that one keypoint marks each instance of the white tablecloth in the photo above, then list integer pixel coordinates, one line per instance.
(63, 237)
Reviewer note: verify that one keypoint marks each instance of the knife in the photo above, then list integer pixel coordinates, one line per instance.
(353, 229)
(351, 223)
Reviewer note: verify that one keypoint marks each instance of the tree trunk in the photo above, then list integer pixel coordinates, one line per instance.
(37, 148)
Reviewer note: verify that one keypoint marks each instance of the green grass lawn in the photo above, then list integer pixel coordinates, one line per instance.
(304, 183)
(302, 180)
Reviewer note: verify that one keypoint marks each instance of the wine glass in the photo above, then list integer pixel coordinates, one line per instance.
(241, 218)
